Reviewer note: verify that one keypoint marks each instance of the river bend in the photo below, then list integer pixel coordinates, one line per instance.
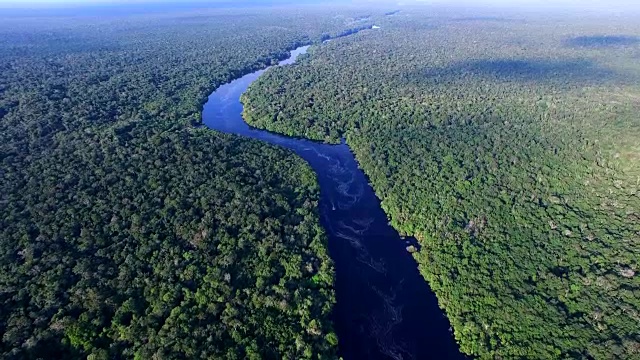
(385, 309)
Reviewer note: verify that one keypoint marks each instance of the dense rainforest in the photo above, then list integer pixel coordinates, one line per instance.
(509, 147)
(128, 231)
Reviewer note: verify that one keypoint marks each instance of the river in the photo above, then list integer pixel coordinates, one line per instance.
(385, 309)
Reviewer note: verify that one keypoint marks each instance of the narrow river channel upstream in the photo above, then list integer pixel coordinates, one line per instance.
(385, 309)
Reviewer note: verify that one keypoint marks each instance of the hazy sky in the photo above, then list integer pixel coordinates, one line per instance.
(620, 4)
(45, 3)
(76, 2)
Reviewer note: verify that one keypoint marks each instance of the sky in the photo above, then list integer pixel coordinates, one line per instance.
(621, 4)
(58, 3)
(76, 3)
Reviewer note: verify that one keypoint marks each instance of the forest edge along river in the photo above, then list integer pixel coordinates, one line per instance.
(385, 308)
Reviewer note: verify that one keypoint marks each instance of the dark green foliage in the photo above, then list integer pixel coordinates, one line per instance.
(512, 157)
(128, 233)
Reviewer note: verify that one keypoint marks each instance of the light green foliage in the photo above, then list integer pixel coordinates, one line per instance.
(510, 149)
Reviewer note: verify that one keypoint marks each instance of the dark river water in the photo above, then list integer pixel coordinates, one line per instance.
(385, 309)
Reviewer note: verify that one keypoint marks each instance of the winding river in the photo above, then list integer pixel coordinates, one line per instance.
(385, 309)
